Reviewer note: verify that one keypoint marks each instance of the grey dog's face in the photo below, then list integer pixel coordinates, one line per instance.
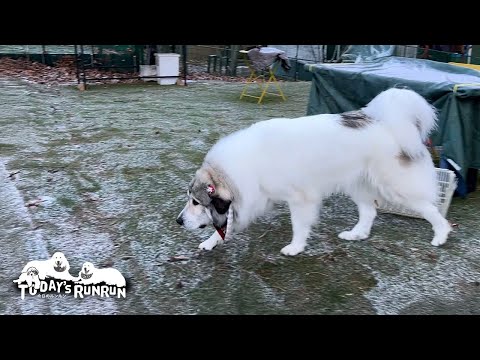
(32, 272)
(204, 207)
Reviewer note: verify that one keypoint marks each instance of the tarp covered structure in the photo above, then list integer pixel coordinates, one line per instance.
(453, 90)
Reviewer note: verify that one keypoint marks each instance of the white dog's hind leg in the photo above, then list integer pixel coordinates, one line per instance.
(303, 216)
(440, 225)
(366, 215)
(211, 242)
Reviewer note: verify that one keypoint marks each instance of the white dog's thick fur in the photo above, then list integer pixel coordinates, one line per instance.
(57, 267)
(92, 275)
(372, 154)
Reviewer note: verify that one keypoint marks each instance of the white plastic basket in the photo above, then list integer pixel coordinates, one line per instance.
(446, 182)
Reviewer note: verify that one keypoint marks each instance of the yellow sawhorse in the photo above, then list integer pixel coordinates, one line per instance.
(264, 84)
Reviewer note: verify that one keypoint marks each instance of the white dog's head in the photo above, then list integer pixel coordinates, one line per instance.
(208, 202)
(87, 270)
(60, 263)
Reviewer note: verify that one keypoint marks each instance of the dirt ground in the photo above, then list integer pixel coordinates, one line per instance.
(102, 174)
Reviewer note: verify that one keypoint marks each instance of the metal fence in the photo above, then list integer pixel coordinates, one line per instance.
(93, 62)
(125, 60)
(455, 53)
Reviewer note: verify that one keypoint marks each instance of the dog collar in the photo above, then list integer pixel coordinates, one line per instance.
(220, 232)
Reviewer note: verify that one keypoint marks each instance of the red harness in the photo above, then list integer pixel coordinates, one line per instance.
(210, 191)
(220, 232)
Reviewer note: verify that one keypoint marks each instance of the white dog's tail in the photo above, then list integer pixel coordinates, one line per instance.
(409, 117)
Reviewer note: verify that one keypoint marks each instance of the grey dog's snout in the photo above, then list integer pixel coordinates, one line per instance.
(180, 220)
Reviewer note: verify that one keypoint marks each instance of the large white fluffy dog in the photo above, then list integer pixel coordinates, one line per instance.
(89, 274)
(57, 267)
(371, 154)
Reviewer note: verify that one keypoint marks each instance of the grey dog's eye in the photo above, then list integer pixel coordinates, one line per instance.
(194, 202)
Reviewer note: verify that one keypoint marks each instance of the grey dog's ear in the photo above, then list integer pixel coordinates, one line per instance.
(204, 177)
(203, 186)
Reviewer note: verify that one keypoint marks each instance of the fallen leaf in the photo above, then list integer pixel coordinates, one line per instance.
(178, 258)
(91, 197)
(35, 202)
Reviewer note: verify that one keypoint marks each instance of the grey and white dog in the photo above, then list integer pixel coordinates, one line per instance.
(374, 154)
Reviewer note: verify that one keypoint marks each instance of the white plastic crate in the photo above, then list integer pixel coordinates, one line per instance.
(167, 65)
(446, 182)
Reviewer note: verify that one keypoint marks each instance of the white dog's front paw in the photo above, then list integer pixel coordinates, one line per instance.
(209, 244)
(353, 235)
(292, 249)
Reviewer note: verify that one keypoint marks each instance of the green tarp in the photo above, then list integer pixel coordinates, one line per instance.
(453, 90)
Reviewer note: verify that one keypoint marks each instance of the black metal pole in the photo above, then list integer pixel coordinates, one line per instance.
(76, 64)
(43, 54)
(84, 76)
(296, 65)
(184, 48)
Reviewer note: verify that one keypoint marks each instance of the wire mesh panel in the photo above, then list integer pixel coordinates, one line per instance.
(446, 185)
